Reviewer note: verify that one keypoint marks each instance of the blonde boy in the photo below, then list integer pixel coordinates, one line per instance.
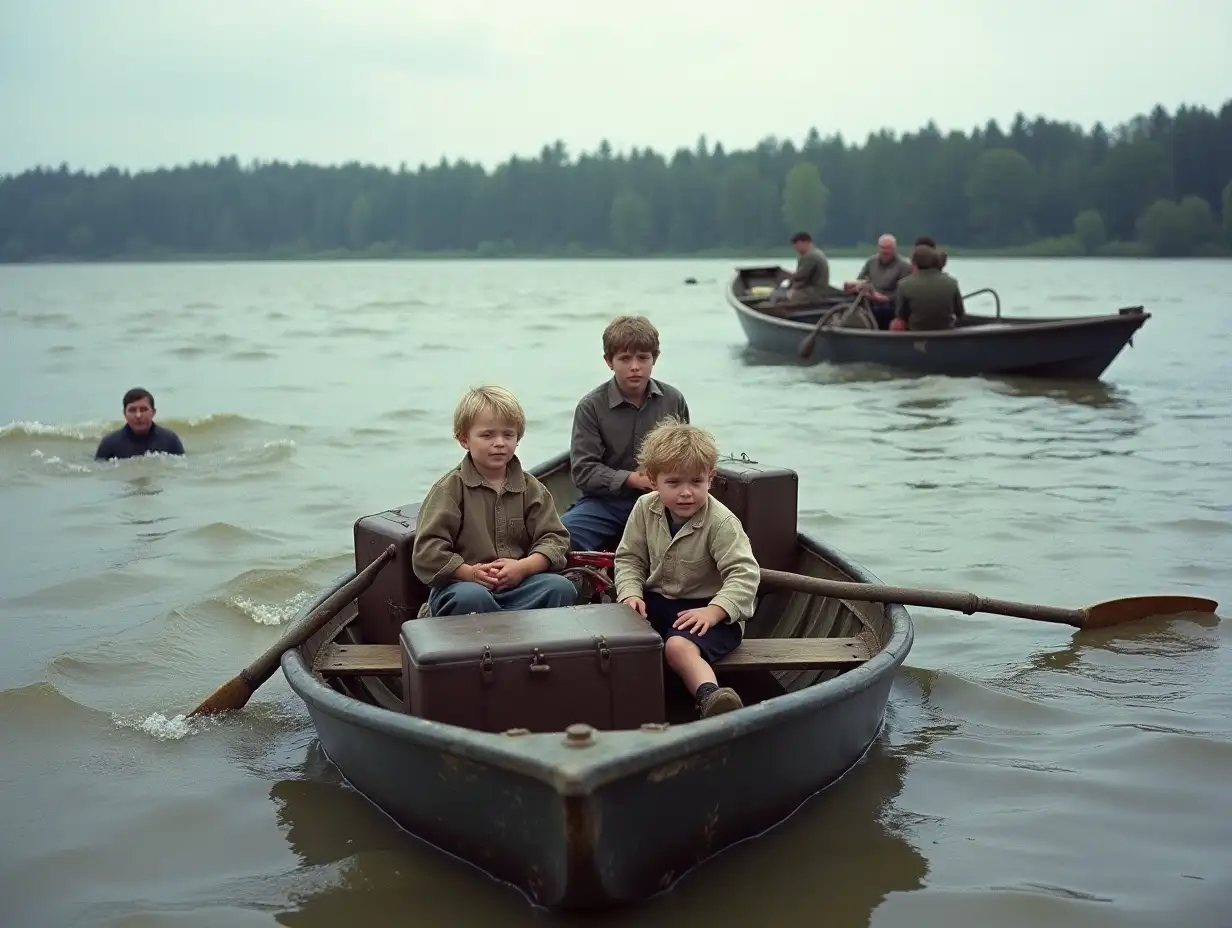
(488, 536)
(685, 562)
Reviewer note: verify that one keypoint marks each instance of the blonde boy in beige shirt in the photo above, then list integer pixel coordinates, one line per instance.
(685, 562)
(488, 536)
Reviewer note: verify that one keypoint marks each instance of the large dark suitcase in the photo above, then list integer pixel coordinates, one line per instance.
(396, 594)
(765, 500)
(541, 669)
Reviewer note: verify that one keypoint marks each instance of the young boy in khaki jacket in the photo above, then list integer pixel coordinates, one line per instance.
(488, 536)
(685, 562)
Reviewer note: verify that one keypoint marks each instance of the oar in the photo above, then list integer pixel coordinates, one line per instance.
(1100, 615)
(806, 345)
(235, 693)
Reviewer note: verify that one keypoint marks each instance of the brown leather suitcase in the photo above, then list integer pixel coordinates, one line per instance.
(539, 669)
(765, 500)
(396, 593)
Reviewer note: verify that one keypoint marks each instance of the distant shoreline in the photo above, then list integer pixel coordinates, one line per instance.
(1047, 249)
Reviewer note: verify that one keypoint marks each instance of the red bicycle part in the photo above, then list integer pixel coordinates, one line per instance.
(596, 567)
(604, 560)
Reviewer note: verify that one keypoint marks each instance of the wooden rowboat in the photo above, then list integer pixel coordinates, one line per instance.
(1071, 348)
(597, 818)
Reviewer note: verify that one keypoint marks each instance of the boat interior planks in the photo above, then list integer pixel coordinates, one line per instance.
(385, 660)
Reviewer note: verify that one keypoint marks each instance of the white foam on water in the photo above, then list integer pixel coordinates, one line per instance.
(81, 432)
(162, 727)
(271, 613)
(197, 421)
(57, 462)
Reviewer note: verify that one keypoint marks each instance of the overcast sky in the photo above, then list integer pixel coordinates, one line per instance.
(139, 83)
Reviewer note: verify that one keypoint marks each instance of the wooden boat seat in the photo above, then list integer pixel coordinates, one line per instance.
(385, 660)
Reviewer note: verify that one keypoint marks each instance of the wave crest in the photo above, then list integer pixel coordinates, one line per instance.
(92, 430)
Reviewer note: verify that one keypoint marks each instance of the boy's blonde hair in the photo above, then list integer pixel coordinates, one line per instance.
(630, 333)
(496, 401)
(675, 447)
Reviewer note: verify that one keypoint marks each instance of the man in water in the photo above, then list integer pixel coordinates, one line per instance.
(139, 435)
(879, 277)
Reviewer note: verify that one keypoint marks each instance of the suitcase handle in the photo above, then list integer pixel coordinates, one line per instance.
(538, 662)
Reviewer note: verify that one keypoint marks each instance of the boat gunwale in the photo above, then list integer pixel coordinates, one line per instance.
(1016, 326)
(613, 755)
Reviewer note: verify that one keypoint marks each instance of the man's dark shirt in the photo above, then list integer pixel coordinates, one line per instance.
(125, 443)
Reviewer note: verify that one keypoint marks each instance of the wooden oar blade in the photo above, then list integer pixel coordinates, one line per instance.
(232, 695)
(1136, 608)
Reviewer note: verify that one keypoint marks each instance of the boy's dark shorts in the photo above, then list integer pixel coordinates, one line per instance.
(719, 640)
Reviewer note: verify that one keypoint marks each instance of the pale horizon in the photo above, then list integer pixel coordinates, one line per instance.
(137, 85)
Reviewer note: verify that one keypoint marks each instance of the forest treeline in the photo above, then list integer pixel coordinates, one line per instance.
(1160, 184)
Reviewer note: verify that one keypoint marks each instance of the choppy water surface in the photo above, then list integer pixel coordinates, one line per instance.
(1026, 775)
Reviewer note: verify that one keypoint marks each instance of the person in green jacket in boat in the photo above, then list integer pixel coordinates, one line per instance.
(811, 281)
(928, 299)
(879, 278)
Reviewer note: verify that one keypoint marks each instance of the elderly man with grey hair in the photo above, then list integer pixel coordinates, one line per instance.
(879, 277)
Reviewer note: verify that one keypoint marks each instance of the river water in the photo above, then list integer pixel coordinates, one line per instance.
(1027, 774)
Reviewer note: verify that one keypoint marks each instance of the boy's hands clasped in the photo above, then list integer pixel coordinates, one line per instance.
(504, 573)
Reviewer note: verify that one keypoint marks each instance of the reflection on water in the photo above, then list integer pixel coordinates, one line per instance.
(1156, 644)
(854, 373)
(1093, 393)
(141, 485)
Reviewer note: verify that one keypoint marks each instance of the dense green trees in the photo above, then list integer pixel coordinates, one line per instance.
(1161, 184)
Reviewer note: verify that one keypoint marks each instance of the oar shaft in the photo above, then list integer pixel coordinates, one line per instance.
(805, 348)
(967, 603)
(264, 666)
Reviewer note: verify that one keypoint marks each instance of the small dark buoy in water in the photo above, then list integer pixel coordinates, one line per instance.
(690, 280)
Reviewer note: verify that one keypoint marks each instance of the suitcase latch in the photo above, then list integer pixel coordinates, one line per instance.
(538, 662)
(485, 664)
(605, 656)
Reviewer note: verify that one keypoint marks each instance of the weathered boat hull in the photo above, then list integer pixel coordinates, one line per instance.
(611, 823)
(1075, 348)
(624, 816)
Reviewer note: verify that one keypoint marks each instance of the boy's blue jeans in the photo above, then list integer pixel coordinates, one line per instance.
(592, 520)
(538, 591)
